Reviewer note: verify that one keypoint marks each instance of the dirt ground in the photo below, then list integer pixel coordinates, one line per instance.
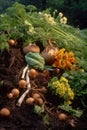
(12, 63)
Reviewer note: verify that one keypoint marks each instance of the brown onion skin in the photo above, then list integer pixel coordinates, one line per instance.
(31, 48)
(49, 53)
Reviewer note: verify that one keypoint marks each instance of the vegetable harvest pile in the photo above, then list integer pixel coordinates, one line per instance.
(50, 70)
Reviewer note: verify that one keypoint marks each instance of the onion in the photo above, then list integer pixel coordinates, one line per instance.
(49, 53)
(31, 48)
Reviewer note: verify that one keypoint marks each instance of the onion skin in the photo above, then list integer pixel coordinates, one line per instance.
(31, 48)
(49, 53)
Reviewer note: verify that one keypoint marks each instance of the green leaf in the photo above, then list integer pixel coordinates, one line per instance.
(39, 109)
(75, 112)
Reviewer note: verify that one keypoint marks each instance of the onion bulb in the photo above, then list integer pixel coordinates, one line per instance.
(31, 48)
(49, 53)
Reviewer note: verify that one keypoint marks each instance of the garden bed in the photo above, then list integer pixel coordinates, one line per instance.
(57, 54)
(24, 117)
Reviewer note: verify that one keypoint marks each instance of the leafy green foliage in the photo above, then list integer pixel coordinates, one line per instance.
(78, 82)
(3, 42)
(75, 112)
(25, 23)
(39, 109)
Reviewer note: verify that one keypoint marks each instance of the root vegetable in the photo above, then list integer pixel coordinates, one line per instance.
(36, 95)
(30, 101)
(22, 84)
(31, 48)
(15, 92)
(24, 72)
(62, 117)
(49, 53)
(33, 73)
(5, 112)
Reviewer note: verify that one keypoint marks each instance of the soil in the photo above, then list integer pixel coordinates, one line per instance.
(24, 117)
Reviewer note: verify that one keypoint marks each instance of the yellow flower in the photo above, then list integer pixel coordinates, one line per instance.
(63, 79)
(68, 102)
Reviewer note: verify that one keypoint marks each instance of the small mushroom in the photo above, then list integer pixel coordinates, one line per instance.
(15, 92)
(22, 83)
(5, 112)
(30, 101)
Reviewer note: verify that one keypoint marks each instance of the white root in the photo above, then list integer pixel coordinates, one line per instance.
(27, 90)
(24, 72)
